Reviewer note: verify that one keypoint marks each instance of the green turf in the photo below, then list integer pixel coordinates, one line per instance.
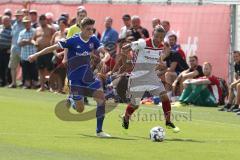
(29, 130)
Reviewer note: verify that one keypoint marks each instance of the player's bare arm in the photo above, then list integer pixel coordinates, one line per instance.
(43, 52)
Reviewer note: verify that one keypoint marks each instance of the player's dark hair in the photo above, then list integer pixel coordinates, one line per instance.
(87, 21)
(207, 63)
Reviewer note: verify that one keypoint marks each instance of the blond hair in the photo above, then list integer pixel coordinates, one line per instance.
(207, 63)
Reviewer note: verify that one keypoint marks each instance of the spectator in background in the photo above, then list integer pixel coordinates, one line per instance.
(109, 35)
(1, 26)
(76, 28)
(15, 48)
(204, 91)
(166, 26)
(195, 71)
(72, 22)
(8, 12)
(81, 8)
(25, 12)
(42, 38)
(175, 64)
(59, 74)
(29, 70)
(97, 34)
(5, 46)
(125, 30)
(155, 22)
(127, 26)
(109, 40)
(34, 18)
(66, 15)
(50, 21)
(137, 31)
(234, 88)
(172, 39)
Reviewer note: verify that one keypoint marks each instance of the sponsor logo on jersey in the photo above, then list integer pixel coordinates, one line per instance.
(83, 54)
(91, 45)
(152, 58)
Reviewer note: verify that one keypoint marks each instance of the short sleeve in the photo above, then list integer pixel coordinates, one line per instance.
(200, 71)
(138, 45)
(20, 37)
(175, 57)
(145, 33)
(237, 69)
(69, 33)
(115, 37)
(65, 43)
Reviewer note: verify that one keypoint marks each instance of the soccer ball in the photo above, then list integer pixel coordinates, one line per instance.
(157, 134)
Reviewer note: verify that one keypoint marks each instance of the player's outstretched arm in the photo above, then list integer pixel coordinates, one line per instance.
(47, 50)
(126, 47)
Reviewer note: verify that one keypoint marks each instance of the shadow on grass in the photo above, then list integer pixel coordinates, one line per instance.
(139, 137)
(184, 140)
(173, 139)
(117, 138)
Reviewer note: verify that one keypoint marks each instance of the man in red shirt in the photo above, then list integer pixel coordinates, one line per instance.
(200, 91)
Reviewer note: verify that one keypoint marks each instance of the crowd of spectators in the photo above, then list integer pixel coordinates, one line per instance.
(25, 32)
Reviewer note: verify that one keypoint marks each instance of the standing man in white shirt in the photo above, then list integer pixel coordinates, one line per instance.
(166, 26)
(127, 25)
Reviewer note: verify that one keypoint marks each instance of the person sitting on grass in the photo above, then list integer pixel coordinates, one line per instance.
(195, 71)
(234, 87)
(175, 64)
(204, 91)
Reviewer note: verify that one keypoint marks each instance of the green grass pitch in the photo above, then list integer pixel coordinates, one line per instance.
(29, 130)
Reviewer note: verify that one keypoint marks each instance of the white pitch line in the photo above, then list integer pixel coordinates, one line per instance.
(32, 134)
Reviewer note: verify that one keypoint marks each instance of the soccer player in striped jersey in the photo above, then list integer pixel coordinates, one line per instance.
(144, 76)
